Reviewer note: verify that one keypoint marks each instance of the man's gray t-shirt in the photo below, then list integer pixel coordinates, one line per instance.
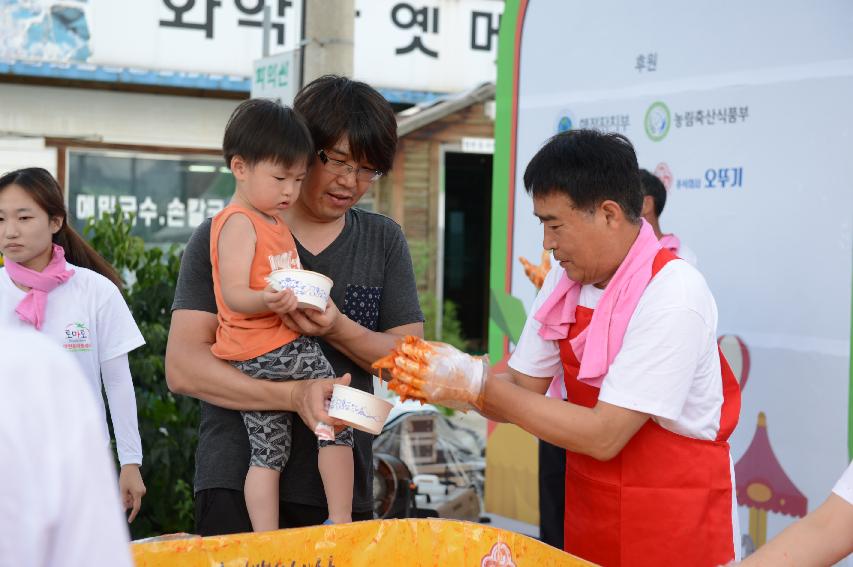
(374, 285)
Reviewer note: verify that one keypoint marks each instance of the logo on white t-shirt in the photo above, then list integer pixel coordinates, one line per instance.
(77, 337)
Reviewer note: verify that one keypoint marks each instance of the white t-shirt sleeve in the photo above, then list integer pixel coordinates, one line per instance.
(844, 486)
(122, 400)
(117, 331)
(653, 371)
(669, 342)
(533, 355)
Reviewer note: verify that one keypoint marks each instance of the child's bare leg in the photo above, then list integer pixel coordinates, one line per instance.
(336, 469)
(261, 492)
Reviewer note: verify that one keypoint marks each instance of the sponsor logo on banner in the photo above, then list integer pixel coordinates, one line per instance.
(711, 116)
(657, 121)
(611, 123)
(663, 173)
(564, 124)
(565, 121)
(714, 178)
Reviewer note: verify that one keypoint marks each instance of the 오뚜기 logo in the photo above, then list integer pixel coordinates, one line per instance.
(657, 121)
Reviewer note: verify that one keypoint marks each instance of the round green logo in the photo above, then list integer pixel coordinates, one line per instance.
(657, 121)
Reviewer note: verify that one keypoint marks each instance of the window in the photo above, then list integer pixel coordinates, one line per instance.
(170, 195)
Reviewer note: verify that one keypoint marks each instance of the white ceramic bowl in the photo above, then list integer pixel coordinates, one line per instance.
(359, 409)
(311, 289)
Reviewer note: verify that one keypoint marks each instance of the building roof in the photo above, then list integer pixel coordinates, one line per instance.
(421, 115)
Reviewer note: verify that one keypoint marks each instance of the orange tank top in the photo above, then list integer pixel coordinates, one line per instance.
(241, 336)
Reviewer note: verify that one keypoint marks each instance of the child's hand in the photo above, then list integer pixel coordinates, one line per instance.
(131, 488)
(280, 302)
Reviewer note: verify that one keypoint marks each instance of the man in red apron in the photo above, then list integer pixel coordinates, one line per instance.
(654, 200)
(651, 401)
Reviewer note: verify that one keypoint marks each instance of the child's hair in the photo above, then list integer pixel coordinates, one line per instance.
(45, 191)
(263, 130)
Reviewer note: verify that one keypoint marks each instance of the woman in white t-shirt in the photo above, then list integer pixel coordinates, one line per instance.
(823, 537)
(54, 281)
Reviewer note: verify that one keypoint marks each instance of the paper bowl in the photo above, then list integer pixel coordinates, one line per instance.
(359, 409)
(311, 289)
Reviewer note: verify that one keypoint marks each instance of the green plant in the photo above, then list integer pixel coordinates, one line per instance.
(451, 329)
(167, 424)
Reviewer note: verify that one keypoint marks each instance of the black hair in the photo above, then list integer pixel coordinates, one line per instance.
(263, 130)
(653, 187)
(39, 184)
(589, 167)
(334, 106)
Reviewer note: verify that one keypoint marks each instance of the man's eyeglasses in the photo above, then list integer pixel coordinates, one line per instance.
(362, 174)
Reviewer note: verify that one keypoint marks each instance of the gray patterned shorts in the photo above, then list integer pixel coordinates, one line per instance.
(271, 432)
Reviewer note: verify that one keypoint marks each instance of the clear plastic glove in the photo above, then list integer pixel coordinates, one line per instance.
(436, 373)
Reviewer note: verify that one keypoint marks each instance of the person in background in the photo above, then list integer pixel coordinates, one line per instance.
(654, 200)
(268, 149)
(651, 399)
(55, 282)
(58, 504)
(552, 459)
(373, 302)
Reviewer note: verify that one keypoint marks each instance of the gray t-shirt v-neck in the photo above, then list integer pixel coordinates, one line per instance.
(374, 285)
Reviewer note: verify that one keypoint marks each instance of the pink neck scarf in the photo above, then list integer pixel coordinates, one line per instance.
(670, 242)
(31, 308)
(597, 346)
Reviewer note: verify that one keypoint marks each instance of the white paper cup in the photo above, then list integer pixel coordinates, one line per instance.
(311, 289)
(359, 409)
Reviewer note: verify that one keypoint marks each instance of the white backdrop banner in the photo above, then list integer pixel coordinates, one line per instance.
(744, 112)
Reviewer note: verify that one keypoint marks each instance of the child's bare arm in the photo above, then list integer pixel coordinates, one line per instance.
(236, 250)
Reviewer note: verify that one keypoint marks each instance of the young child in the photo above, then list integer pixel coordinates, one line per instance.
(268, 148)
(55, 282)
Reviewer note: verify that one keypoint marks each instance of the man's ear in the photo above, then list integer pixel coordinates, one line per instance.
(612, 212)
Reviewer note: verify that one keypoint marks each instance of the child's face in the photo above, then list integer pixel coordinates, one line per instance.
(26, 231)
(268, 187)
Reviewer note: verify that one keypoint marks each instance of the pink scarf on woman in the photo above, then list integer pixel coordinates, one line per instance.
(670, 242)
(597, 346)
(32, 306)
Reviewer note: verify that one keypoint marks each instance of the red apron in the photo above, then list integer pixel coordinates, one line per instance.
(665, 499)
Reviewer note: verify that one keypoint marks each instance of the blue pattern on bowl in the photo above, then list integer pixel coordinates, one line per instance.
(302, 288)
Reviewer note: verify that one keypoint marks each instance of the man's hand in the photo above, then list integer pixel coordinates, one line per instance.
(311, 322)
(280, 302)
(131, 488)
(310, 400)
(435, 372)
